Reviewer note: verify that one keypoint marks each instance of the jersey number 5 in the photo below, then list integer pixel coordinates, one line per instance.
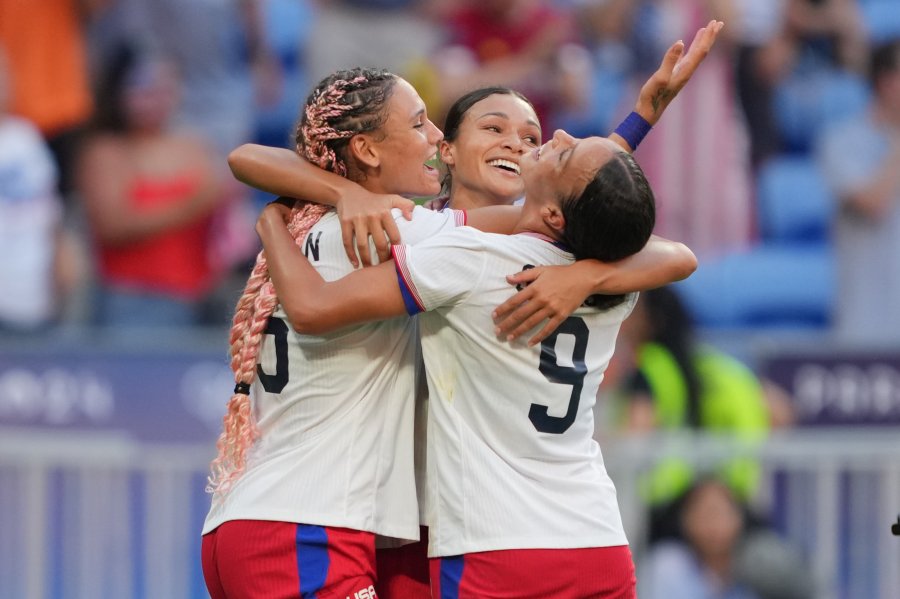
(563, 375)
(275, 383)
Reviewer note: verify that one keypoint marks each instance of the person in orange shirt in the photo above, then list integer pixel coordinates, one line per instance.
(45, 46)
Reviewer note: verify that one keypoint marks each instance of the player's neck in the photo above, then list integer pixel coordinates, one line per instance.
(462, 198)
(532, 221)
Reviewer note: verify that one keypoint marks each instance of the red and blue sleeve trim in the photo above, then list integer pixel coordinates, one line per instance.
(411, 299)
(460, 217)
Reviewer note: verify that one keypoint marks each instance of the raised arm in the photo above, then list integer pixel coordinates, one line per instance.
(312, 305)
(553, 293)
(362, 213)
(673, 74)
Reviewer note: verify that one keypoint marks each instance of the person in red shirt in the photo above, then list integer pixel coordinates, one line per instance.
(149, 194)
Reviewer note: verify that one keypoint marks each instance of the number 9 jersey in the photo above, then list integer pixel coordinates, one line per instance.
(512, 463)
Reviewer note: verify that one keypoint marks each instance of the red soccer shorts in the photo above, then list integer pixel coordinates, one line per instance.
(590, 573)
(256, 559)
(403, 572)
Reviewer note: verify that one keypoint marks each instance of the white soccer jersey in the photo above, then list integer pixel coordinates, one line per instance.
(335, 413)
(512, 463)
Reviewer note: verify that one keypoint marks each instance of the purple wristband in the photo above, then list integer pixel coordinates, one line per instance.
(633, 129)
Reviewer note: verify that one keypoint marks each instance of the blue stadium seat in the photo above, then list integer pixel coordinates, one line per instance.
(772, 285)
(793, 201)
(808, 100)
(881, 19)
(288, 24)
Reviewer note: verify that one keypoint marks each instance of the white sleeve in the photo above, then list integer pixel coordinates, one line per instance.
(426, 223)
(441, 271)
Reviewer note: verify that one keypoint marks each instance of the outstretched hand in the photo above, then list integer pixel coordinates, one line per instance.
(368, 214)
(674, 72)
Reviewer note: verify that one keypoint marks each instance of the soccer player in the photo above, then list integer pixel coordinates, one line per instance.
(319, 462)
(666, 262)
(320, 459)
(519, 502)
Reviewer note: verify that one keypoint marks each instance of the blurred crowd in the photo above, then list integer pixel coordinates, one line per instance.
(774, 165)
(778, 164)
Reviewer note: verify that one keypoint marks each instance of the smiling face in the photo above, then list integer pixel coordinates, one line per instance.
(403, 144)
(563, 166)
(484, 157)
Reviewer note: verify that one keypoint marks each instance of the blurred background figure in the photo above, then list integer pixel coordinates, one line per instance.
(700, 561)
(832, 31)
(287, 26)
(762, 56)
(722, 551)
(672, 383)
(529, 45)
(34, 271)
(708, 208)
(781, 43)
(229, 73)
(149, 193)
(47, 56)
(779, 165)
(396, 35)
(861, 162)
(220, 48)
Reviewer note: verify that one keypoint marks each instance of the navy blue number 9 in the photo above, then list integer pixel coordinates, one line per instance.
(275, 383)
(563, 375)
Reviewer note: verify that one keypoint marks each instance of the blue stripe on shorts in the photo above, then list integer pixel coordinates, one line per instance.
(451, 576)
(312, 558)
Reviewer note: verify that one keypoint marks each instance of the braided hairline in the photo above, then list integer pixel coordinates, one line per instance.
(315, 129)
(318, 127)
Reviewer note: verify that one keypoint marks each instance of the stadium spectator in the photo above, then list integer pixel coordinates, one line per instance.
(700, 562)
(763, 57)
(149, 194)
(697, 160)
(220, 50)
(778, 39)
(722, 550)
(831, 31)
(529, 45)
(226, 66)
(397, 35)
(33, 265)
(859, 159)
(45, 47)
(677, 384)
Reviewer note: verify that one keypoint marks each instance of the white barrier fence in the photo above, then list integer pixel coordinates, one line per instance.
(836, 493)
(101, 516)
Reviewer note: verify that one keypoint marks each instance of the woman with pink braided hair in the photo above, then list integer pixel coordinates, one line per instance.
(316, 455)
